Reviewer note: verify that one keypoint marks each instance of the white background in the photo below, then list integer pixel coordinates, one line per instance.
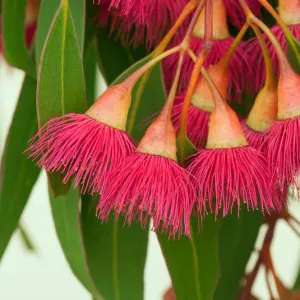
(45, 275)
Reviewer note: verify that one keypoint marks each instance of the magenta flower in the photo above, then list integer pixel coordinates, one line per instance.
(150, 183)
(283, 135)
(229, 172)
(86, 146)
(283, 152)
(140, 21)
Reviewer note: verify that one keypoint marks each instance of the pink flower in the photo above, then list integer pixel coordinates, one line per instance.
(283, 152)
(150, 183)
(140, 21)
(86, 146)
(228, 172)
(231, 177)
(283, 135)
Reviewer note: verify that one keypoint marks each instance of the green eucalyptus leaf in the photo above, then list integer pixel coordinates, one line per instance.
(66, 216)
(107, 51)
(78, 12)
(116, 254)
(90, 68)
(193, 263)
(47, 13)
(61, 87)
(236, 242)
(13, 34)
(48, 10)
(17, 173)
(108, 48)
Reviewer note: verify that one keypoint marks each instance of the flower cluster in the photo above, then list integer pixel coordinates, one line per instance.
(239, 162)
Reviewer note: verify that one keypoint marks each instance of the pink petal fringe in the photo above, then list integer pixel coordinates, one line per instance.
(197, 123)
(229, 177)
(283, 152)
(77, 145)
(237, 69)
(150, 186)
(140, 21)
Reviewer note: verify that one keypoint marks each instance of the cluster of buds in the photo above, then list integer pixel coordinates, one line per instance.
(240, 162)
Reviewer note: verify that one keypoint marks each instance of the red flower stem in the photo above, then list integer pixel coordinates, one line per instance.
(260, 260)
(270, 75)
(289, 216)
(283, 292)
(208, 20)
(269, 284)
(188, 97)
(293, 227)
(184, 14)
(227, 57)
(234, 45)
(283, 26)
(167, 109)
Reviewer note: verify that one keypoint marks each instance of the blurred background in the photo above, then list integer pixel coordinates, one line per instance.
(44, 274)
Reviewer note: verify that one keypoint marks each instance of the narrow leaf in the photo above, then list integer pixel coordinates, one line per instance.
(236, 242)
(116, 254)
(46, 15)
(13, 34)
(107, 51)
(90, 67)
(193, 264)
(48, 10)
(78, 12)
(65, 211)
(61, 88)
(17, 174)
